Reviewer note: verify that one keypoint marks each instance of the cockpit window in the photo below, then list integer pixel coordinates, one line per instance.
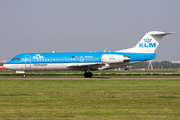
(16, 59)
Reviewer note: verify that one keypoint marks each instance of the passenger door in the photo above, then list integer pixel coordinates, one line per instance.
(27, 61)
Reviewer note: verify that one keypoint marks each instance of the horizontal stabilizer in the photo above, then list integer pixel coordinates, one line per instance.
(162, 33)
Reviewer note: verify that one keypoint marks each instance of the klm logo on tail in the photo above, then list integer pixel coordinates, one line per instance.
(147, 43)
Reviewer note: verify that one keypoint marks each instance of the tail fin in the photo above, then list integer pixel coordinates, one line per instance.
(148, 43)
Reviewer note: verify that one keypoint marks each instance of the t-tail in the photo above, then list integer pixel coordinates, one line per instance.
(148, 43)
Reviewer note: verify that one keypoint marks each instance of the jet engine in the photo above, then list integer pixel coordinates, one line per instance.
(110, 58)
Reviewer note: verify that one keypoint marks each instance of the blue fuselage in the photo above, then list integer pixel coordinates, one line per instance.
(74, 57)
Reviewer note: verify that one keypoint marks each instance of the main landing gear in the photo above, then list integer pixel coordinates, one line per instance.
(88, 74)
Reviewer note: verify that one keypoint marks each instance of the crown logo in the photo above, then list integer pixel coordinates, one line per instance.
(38, 56)
(147, 40)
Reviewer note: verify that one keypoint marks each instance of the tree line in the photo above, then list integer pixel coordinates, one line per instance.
(163, 64)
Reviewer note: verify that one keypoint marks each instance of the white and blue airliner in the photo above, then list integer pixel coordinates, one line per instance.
(88, 61)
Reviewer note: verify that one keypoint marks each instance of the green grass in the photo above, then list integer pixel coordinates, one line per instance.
(90, 99)
(96, 75)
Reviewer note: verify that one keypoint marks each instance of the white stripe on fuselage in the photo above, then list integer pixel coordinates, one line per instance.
(59, 66)
(37, 66)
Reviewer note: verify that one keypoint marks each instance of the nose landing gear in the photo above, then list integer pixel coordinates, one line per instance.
(88, 75)
(24, 75)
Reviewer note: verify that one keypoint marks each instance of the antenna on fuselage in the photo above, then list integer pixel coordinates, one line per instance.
(53, 52)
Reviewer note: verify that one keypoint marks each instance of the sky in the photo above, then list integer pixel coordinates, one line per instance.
(28, 26)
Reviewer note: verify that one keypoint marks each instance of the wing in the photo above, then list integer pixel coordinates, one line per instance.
(97, 66)
(85, 66)
(108, 62)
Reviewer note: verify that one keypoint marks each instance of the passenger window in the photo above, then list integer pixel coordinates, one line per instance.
(42, 59)
(51, 59)
(59, 59)
(99, 58)
(96, 58)
(45, 59)
(56, 59)
(48, 59)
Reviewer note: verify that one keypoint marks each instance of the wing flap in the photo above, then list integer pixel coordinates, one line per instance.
(82, 64)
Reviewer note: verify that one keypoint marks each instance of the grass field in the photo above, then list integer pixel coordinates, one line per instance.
(88, 99)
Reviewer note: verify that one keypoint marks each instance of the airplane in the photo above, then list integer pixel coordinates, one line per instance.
(88, 61)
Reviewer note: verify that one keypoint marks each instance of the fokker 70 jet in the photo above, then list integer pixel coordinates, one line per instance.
(88, 61)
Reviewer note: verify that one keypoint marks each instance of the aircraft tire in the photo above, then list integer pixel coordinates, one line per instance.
(24, 76)
(88, 74)
(85, 74)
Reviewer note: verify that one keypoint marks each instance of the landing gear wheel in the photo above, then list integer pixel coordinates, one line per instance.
(24, 76)
(88, 75)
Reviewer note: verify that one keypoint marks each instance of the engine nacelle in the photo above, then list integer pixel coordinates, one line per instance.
(110, 58)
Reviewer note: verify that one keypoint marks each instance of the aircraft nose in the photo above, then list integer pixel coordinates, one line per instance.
(6, 66)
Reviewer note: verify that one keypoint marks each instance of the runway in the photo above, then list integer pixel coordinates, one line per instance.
(95, 78)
